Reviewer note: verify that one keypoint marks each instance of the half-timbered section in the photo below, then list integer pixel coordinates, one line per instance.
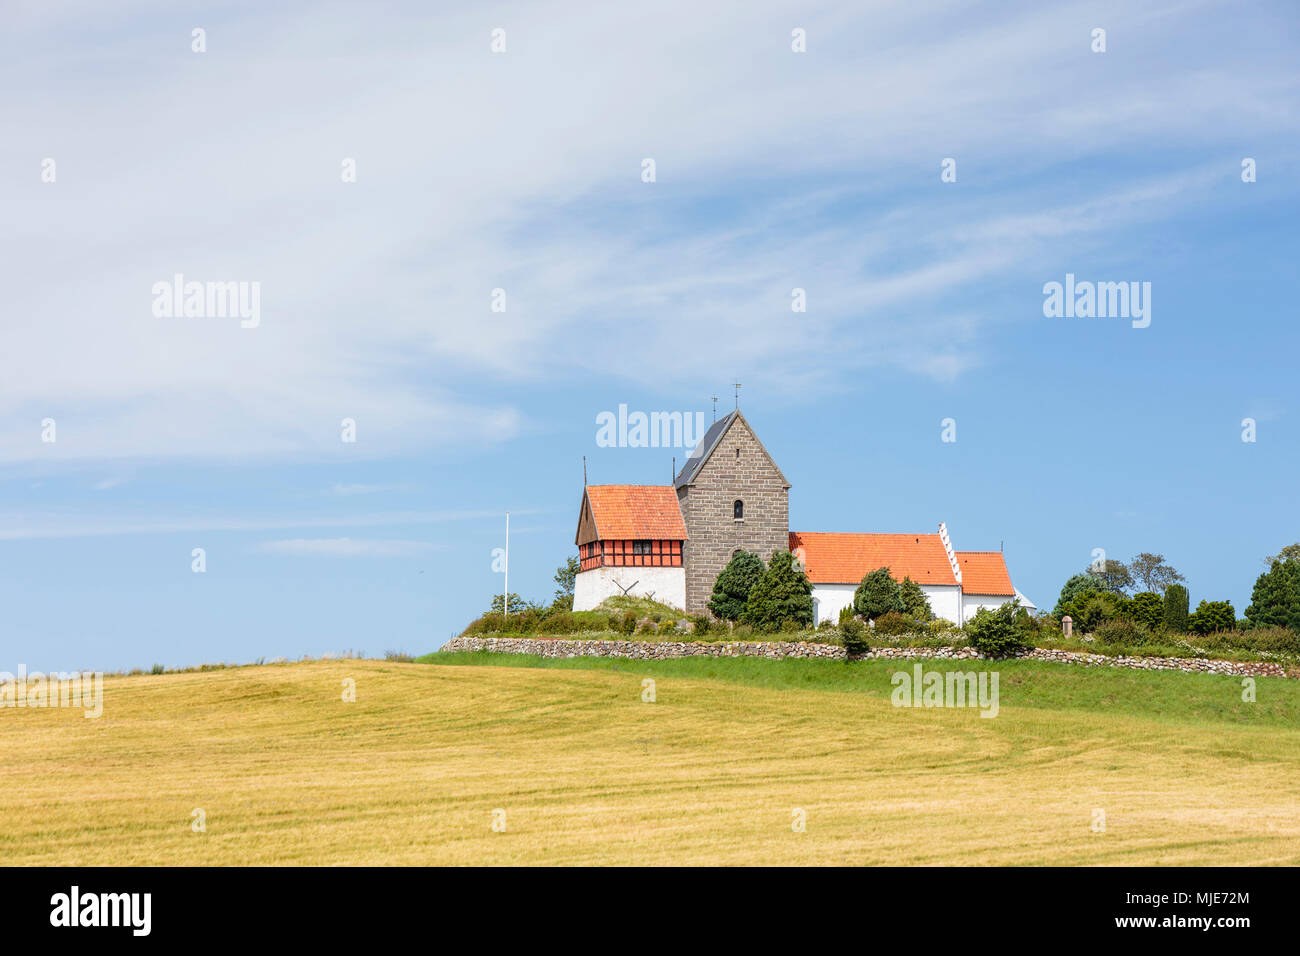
(630, 540)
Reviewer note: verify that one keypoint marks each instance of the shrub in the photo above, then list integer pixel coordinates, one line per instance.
(846, 613)
(558, 622)
(896, 623)
(1212, 616)
(1275, 599)
(915, 604)
(1147, 609)
(735, 581)
(1176, 609)
(854, 634)
(997, 633)
(782, 593)
(1091, 609)
(1270, 640)
(1082, 583)
(1123, 633)
(628, 624)
(878, 594)
(702, 624)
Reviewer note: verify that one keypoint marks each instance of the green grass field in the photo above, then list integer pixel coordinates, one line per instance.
(713, 771)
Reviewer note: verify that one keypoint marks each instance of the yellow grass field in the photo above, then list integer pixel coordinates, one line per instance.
(286, 772)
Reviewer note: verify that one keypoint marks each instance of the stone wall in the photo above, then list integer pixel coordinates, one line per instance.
(659, 650)
(706, 503)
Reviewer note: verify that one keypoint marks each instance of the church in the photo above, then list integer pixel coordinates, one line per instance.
(669, 542)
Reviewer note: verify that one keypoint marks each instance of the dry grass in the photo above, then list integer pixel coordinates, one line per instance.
(287, 773)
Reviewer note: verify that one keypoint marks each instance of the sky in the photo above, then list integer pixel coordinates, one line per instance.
(379, 170)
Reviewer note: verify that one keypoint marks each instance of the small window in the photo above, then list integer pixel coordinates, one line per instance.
(738, 510)
(640, 547)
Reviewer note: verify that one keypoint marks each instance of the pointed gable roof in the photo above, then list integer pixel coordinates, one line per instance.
(712, 438)
(834, 558)
(984, 572)
(627, 512)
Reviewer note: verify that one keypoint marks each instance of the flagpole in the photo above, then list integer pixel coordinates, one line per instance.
(505, 598)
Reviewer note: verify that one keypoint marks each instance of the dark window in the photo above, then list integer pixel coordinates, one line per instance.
(640, 547)
(738, 510)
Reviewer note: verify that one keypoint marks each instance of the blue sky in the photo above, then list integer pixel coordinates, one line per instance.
(522, 171)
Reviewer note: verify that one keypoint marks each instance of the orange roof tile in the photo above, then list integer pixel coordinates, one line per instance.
(623, 512)
(984, 572)
(834, 558)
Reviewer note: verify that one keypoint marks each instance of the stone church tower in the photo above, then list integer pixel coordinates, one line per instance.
(732, 496)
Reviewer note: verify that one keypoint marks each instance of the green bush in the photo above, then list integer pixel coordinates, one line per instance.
(1212, 616)
(1269, 640)
(1123, 633)
(702, 625)
(877, 594)
(1275, 599)
(854, 634)
(997, 633)
(846, 613)
(897, 623)
(782, 594)
(1091, 609)
(628, 623)
(735, 581)
(1082, 583)
(558, 622)
(1176, 604)
(1147, 608)
(915, 604)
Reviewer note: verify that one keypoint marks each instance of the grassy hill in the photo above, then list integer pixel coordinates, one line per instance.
(286, 772)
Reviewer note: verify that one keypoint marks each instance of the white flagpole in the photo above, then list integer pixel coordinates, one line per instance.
(505, 598)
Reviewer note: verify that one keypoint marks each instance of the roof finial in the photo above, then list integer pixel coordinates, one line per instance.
(715, 408)
(737, 385)
(584, 471)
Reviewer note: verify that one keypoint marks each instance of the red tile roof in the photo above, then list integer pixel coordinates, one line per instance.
(624, 512)
(984, 572)
(834, 558)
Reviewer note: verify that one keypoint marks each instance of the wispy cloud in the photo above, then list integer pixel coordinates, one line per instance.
(348, 490)
(375, 294)
(37, 526)
(346, 548)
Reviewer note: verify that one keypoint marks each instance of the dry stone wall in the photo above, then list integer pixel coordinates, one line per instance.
(660, 650)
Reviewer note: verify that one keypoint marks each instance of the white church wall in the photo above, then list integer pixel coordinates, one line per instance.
(829, 599)
(945, 601)
(971, 603)
(666, 585)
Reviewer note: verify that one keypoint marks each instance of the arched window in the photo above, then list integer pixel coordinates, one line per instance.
(738, 510)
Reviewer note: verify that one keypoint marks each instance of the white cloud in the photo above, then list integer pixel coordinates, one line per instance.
(346, 548)
(521, 171)
(29, 525)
